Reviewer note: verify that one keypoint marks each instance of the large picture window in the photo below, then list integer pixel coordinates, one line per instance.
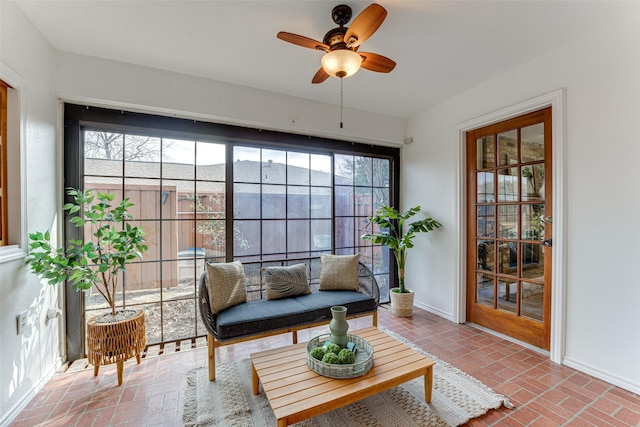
(205, 192)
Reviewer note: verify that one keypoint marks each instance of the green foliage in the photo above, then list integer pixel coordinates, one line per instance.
(346, 357)
(317, 353)
(392, 233)
(97, 262)
(331, 358)
(333, 348)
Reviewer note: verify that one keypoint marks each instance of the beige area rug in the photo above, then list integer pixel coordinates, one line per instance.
(228, 401)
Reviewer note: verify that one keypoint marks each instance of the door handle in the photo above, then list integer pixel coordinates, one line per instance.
(547, 242)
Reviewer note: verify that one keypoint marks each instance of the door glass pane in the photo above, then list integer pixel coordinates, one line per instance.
(532, 143)
(486, 255)
(532, 222)
(508, 294)
(485, 152)
(532, 261)
(484, 289)
(508, 185)
(533, 182)
(531, 302)
(508, 148)
(508, 221)
(485, 187)
(508, 258)
(486, 221)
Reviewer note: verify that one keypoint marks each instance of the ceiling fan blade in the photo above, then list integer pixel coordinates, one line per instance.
(302, 41)
(320, 76)
(365, 24)
(375, 62)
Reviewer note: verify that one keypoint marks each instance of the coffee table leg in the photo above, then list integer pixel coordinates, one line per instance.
(282, 422)
(428, 384)
(254, 379)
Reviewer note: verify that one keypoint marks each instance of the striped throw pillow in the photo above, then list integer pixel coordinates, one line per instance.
(339, 272)
(283, 282)
(227, 285)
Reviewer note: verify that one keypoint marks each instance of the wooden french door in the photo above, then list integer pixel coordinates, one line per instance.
(509, 227)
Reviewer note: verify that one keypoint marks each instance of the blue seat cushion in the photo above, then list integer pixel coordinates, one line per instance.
(260, 316)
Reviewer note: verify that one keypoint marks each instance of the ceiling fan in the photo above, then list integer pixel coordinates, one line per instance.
(341, 44)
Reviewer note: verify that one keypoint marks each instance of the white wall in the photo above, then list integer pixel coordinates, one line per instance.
(601, 75)
(105, 82)
(29, 359)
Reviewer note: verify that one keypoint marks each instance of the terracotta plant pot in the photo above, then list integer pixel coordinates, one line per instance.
(401, 303)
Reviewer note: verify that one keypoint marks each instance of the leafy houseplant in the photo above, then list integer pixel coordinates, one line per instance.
(111, 338)
(392, 234)
(98, 261)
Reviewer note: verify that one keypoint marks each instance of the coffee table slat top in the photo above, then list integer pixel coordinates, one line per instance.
(296, 393)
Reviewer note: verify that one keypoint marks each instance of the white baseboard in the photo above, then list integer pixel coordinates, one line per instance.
(22, 403)
(434, 310)
(602, 375)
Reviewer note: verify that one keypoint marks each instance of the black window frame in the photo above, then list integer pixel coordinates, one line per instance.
(79, 117)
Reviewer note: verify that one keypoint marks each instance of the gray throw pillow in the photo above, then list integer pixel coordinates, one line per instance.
(226, 285)
(339, 272)
(283, 282)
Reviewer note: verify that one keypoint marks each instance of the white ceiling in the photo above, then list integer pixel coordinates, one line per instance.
(442, 48)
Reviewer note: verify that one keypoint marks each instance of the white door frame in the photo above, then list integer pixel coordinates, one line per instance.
(556, 100)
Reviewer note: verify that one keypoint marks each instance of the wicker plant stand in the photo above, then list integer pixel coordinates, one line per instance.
(116, 342)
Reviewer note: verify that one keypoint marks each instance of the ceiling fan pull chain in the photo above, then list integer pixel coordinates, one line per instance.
(341, 103)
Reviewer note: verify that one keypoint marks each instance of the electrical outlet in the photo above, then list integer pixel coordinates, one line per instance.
(21, 320)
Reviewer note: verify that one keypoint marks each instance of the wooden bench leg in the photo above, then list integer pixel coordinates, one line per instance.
(254, 379)
(211, 347)
(428, 384)
(294, 337)
(375, 318)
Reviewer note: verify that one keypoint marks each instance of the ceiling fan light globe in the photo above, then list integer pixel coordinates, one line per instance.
(341, 63)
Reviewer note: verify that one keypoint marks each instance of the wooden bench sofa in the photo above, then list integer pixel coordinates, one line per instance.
(259, 317)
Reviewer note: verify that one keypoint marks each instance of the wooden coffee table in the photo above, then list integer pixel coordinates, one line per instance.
(296, 393)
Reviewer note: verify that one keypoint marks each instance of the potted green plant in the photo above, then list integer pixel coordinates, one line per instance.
(393, 234)
(96, 264)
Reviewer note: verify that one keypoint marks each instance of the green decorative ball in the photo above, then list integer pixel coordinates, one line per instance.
(331, 358)
(317, 353)
(333, 348)
(346, 357)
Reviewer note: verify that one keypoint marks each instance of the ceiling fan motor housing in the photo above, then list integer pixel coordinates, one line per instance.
(341, 14)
